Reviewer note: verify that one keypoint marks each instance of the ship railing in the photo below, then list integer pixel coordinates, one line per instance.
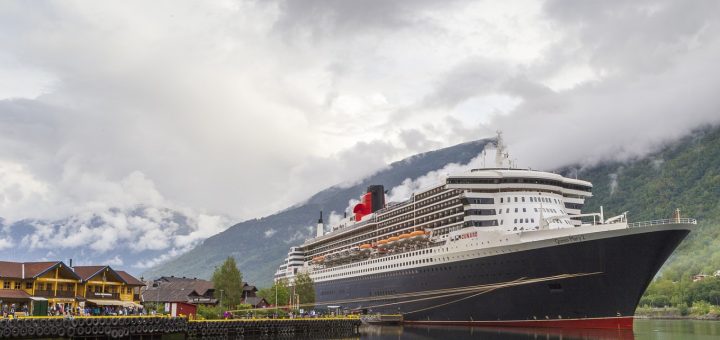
(664, 221)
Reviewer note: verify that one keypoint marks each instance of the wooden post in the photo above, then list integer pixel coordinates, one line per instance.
(57, 270)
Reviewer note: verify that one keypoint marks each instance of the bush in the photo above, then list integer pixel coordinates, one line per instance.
(701, 308)
(209, 312)
(683, 309)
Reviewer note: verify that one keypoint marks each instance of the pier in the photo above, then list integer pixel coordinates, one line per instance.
(154, 327)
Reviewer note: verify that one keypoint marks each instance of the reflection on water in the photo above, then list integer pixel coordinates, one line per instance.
(461, 333)
(644, 329)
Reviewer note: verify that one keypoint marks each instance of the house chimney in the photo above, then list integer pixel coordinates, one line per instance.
(70, 265)
(23, 270)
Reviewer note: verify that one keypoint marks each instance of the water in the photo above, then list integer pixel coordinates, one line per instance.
(644, 329)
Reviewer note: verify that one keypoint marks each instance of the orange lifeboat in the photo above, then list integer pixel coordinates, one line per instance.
(365, 248)
(393, 241)
(404, 238)
(417, 235)
(382, 244)
(318, 259)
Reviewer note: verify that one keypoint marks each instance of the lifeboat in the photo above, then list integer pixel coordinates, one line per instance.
(393, 241)
(417, 235)
(318, 259)
(365, 248)
(382, 244)
(403, 238)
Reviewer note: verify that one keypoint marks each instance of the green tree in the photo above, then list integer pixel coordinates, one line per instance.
(228, 279)
(305, 288)
(279, 289)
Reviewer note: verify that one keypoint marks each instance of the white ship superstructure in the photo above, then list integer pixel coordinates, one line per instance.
(486, 203)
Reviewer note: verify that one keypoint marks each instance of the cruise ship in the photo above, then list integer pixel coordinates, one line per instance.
(501, 247)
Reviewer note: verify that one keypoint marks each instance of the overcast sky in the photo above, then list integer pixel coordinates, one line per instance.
(242, 108)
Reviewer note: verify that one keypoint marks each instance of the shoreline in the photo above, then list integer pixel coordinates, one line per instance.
(678, 317)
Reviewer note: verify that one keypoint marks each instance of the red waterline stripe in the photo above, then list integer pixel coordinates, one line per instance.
(625, 322)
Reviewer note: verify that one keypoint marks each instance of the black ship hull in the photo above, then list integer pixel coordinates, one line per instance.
(589, 284)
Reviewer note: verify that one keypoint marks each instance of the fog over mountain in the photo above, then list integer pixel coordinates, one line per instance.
(232, 110)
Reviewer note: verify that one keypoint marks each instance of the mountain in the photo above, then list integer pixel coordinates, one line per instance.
(260, 245)
(131, 239)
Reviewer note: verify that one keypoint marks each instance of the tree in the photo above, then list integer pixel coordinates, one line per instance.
(283, 293)
(305, 288)
(228, 279)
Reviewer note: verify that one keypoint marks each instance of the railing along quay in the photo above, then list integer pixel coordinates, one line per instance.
(149, 327)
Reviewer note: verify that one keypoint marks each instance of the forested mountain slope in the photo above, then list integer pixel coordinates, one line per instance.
(685, 175)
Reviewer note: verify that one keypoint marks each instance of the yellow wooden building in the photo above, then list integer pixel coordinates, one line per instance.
(104, 286)
(66, 286)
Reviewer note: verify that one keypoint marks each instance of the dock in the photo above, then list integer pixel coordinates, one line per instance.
(382, 319)
(154, 327)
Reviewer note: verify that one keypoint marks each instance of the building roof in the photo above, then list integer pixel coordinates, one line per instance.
(254, 301)
(87, 272)
(247, 287)
(172, 289)
(13, 294)
(129, 279)
(200, 286)
(23, 270)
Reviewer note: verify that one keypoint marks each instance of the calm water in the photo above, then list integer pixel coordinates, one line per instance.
(644, 329)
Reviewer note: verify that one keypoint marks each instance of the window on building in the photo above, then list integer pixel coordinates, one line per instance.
(516, 209)
(527, 221)
(6, 285)
(524, 210)
(17, 285)
(28, 285)
(516, 220)
(501, 199)
(515, 199)
(523, 198)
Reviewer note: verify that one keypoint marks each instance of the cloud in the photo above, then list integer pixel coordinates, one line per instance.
(115, 261)
(409, 186)
(244, 108)
(127, 233)
(613, 183)
(270, 232)
(152, 262)
(5, 243)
